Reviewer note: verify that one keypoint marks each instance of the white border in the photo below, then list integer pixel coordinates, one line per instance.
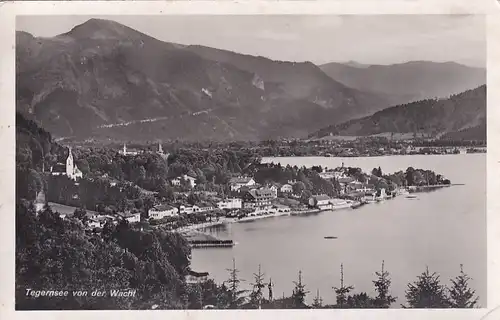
(8, 12)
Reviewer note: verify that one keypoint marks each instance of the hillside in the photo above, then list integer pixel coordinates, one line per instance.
(407, 82)
(105, 80)
(462, 116)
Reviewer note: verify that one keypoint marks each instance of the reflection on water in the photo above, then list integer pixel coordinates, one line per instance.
(440, 229)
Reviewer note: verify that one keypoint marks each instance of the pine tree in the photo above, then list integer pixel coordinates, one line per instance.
(299, 293)
(427, 292)
(235, 294)
(461, 296)
(382, 285)
(318, 301)
(256, 295)
(342, 291)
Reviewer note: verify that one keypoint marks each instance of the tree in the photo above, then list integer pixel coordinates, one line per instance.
(342, 291)
(382, 285)
(426, 292)
(256, 295)
(460, 295)
(299, 293)
(318, 301)
(235, 294)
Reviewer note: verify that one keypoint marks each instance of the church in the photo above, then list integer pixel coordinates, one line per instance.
(70, 170)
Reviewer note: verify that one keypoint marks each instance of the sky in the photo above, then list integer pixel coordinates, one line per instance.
(367, 39)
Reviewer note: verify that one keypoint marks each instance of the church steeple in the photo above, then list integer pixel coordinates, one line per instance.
(160, 148)
(69, 164)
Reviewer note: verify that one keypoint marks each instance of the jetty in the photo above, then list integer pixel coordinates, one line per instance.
(211, 243)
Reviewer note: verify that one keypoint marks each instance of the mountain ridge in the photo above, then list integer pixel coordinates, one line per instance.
(462, 115)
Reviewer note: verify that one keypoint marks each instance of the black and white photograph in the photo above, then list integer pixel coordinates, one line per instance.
(181, 162)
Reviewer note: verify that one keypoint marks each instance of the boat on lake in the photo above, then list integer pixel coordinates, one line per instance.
(330, 237)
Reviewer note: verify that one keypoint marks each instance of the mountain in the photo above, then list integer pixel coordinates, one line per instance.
(462, 116)
(105, 80)
(407, 82)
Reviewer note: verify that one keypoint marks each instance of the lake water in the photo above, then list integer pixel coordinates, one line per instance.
(440, 229)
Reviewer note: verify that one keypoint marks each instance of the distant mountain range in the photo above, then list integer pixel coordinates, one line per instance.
(107, 81)
(410, 81)
(462, 116)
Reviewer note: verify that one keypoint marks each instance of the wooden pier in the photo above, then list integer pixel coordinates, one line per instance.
(211, 243)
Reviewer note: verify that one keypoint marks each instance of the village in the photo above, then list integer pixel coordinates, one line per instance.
(245, 199)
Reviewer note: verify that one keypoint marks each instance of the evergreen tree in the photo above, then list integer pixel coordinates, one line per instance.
(461, 296)
(342, 291)
(382, 285)
(318, 301)
(427, 292)
(233, 284)
(256, 295)
(299, 293)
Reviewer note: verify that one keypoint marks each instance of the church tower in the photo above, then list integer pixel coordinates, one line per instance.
(160, 148)
(70, 167)
(125, 149)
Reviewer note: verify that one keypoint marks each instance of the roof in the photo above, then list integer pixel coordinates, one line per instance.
(163, 207)
(240, 180)
(346, 180)
(264, 192)
(321, 197)
(127, 214)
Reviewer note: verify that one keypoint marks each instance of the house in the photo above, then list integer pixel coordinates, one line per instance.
(258, 198)
(286, 188)
(231, 203)
(162, 211)
(187, 209)
(237, 183)
(320, 201)
(196, 277)
(205, 207)
(70, 169)
(191, 181)
(131, 217)
(274, 188)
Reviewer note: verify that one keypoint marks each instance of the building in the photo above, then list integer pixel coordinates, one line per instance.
(190, 180)
(239, 182)
(274, 189)
(321, 202)
(131, 217)
(130, 152)
(258, 198)
(196, 277)
(205, 207)
(231, 203)
(286, 188)
(187, 209)
(162, 211)
(70, 170)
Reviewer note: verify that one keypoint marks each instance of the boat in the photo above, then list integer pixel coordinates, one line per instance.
(330, 237)
(411, 197)
(403, 192)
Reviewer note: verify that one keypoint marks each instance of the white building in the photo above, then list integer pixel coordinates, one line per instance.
(286, 188)
(70, 170)
(162, 211)
(232, 203)
(189, 209)
(238, 183)
(131, 217)
(177, 181)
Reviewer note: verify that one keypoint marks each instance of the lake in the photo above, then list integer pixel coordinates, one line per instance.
(440, 229)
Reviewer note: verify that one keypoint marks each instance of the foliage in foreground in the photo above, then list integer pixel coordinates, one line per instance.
(58, 254)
